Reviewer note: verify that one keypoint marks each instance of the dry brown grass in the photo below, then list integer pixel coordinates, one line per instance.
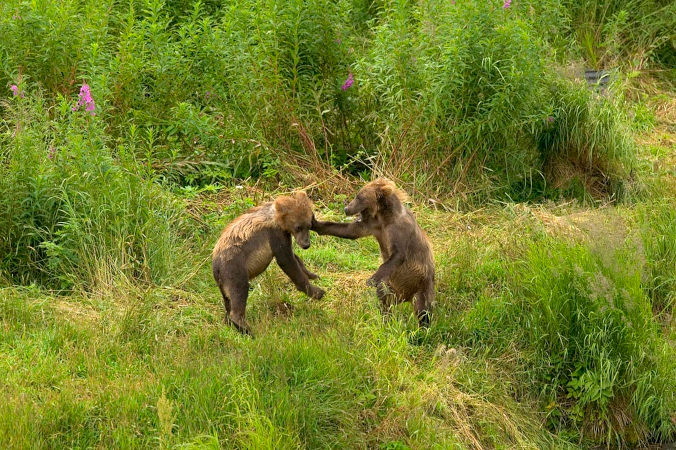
(563, 173)
(75, 310)
(661, 140)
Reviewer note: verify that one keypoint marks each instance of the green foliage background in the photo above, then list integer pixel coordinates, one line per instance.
(111, 331)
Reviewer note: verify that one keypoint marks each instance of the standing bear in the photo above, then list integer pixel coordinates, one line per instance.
(407, 271)
(248, 244)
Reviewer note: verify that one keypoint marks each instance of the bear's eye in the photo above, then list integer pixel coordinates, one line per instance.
(297, 229)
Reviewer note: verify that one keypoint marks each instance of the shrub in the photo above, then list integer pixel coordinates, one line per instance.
(464, 95)
(458, 88)
(69, 216)
(451, 97)
(587, 137)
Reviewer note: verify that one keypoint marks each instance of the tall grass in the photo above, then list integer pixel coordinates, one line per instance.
(641, 31)
(587, 141)
(587, 341)
(536, 343)
(451, 106)
(659, 240)
(593, 326)
(143, 373)
(72, 216)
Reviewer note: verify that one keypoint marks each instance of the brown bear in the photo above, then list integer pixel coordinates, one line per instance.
(248, 244)
(407, 271)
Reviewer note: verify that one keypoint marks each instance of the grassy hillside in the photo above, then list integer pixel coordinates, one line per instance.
(132, 132)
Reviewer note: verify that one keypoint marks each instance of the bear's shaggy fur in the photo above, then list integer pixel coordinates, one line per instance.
(248, 244)
(407, 271)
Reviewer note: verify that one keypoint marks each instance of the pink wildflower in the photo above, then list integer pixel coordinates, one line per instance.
(349, 82)
(85, 100)
(16, 91)
(507, 4)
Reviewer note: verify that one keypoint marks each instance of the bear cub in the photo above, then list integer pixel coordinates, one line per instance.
(407, 272)
(250, 242)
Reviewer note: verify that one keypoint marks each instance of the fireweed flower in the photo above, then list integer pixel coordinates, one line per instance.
(51, 153)
(507, 4)
(16, 91)
(349, 82)
(86, 100)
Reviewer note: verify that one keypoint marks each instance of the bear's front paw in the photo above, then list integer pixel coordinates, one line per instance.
(373, 281)
(316, 293)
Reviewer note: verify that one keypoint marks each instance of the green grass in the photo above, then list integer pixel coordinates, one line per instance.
(155, 366)
(549, 205)
(659, 233)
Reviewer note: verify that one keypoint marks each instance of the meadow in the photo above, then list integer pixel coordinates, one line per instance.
(132, 132)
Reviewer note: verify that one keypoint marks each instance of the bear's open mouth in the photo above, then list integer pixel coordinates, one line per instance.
(358, 218)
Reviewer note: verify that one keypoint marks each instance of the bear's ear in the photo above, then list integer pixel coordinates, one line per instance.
(302, 204)
(388, 190)
(384, 190)
(293, 210)
(283, 205)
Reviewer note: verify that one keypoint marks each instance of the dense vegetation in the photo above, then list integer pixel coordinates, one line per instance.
(132, 131)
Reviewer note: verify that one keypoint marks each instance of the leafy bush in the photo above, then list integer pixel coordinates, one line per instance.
(464, 94)
(71, 217)
(452, 97)
(457, 87)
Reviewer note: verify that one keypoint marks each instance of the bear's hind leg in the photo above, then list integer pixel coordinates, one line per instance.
(238, 296)
(226, 302)
(386, 297)
(235, 290)
(422, 305)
